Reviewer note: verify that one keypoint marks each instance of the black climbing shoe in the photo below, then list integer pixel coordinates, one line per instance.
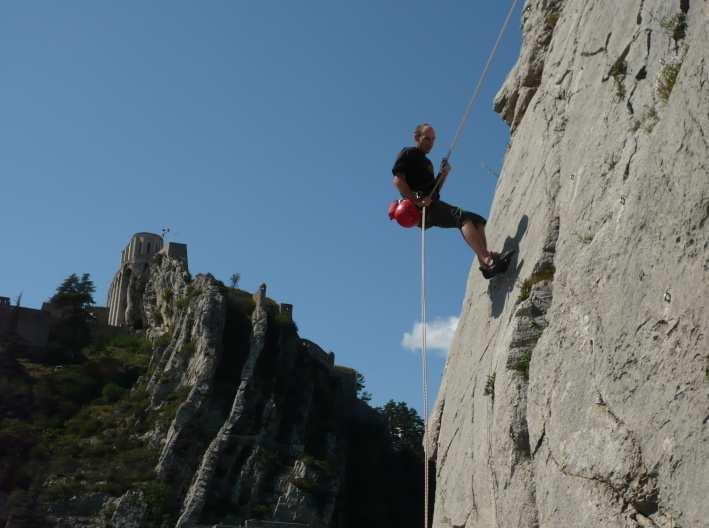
(500, 263)
(488, 272)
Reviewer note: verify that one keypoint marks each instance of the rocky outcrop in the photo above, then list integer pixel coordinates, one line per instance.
(260, 430)
(575, 392)
(197, 494)
(539, 20)
(206, 408)
(129, 511)
(266, 425)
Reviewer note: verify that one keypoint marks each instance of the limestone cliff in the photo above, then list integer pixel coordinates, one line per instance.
(576, 392)
(260, 428)
(266, 426)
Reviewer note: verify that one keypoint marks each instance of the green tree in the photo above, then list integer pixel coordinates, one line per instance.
(75, 293)
(405, 427)
(362, 394)
(71, 317)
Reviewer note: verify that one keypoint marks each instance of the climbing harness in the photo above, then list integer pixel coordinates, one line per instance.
(437, 187)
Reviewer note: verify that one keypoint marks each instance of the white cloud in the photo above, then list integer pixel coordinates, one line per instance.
(439, 335)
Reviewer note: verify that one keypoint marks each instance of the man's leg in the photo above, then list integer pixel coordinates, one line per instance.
(475, 237)
(471, 225)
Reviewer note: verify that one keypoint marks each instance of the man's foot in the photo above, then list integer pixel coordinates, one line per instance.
(500, 263)
(488, 272)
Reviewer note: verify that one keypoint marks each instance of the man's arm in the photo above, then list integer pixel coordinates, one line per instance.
(403, 187)
(441, 178)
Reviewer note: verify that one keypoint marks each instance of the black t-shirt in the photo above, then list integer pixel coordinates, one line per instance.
(416, 168)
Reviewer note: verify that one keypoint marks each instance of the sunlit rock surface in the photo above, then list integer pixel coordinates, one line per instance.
(599, 409)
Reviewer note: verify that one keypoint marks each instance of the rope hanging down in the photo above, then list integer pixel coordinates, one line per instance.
(424, 368)
(439, 184)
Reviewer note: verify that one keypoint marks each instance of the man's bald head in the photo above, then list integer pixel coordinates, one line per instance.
(424, 137)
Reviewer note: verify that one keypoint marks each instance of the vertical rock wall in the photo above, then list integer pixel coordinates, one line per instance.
(261, 426)
(265, 426)
(576, 390)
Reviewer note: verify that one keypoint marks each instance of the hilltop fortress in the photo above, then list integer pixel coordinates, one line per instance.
(134, 258)
(32, 325)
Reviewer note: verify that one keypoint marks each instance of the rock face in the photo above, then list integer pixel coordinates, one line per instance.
(261, 426)
(266, 426)
(576, 391)
(206, 409)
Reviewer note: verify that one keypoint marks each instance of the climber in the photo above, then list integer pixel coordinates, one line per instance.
(415, 180)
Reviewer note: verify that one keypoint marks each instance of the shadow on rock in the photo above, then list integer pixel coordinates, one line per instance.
(500, 287)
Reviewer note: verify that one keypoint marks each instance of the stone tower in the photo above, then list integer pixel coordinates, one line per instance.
(134, 259)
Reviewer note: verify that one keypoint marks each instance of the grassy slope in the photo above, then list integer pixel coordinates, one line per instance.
(76, 429)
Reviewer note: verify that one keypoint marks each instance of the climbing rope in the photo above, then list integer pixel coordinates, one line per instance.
(438, 185)
(474, 97)
(424, 366)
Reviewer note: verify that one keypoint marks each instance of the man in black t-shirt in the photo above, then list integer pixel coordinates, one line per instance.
(414, 177)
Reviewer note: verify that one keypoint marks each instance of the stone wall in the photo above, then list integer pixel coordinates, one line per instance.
(141, 247)
(176, 251)
(30, 324)
(118, 296)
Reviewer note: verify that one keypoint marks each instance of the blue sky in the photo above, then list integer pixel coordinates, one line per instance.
(262, 134)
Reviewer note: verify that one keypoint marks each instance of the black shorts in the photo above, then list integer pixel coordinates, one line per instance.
(442, 214)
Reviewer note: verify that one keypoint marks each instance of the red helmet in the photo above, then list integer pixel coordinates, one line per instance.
(405, 212)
